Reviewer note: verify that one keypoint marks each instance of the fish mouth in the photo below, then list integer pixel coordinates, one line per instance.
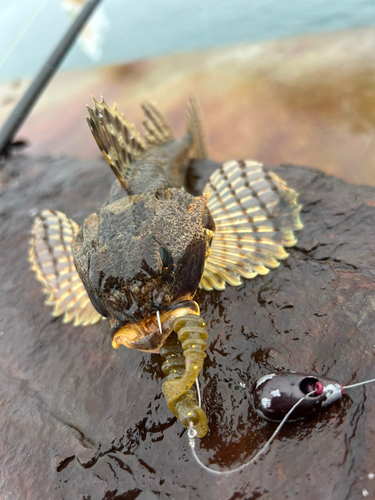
(145, 335)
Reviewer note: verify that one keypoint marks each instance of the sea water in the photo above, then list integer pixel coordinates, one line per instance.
(137, 29)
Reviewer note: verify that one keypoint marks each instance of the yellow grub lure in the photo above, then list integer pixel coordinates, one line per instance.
(174, 243)
(184, 361)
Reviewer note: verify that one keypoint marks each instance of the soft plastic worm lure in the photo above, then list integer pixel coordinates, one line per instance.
(184, 361)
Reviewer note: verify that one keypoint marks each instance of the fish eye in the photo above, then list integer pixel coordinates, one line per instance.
(166, 257)
(208, 221)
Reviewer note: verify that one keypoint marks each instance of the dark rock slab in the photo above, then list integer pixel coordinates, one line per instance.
(80, 420)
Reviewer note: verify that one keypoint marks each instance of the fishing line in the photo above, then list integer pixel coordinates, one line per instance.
(192, 433)
(159, 322)
(198, 392)
(21, 34)
(29, 98)
(359, 383)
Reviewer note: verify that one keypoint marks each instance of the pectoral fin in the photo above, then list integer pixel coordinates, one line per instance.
(52, 261)
(255, 215)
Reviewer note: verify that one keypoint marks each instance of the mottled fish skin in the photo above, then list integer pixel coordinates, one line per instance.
(118, 251)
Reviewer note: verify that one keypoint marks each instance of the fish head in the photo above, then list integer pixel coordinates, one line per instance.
(141, 254)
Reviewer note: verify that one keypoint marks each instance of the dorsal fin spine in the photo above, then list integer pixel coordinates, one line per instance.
(156, 128)
(117, 139)
(195, 129)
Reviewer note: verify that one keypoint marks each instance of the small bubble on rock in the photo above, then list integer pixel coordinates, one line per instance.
(32, 212)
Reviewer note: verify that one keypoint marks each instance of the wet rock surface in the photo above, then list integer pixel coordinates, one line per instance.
(81, 420)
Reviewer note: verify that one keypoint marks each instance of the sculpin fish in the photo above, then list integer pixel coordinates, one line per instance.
(139, 260)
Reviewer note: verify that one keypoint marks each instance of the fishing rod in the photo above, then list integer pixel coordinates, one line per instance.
(30, 97)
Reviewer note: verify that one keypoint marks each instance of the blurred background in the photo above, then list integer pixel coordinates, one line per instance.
(278, 81)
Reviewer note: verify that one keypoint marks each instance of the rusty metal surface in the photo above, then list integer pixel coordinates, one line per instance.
(82, 420)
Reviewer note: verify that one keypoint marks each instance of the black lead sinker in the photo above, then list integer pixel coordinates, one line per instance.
(276, 393)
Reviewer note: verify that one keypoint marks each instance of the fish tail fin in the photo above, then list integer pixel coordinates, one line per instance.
(195, 129)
